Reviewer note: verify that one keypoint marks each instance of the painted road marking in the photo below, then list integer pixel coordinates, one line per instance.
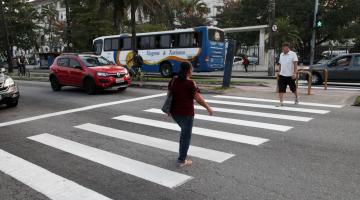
(305, 110)
(207, 154)
(136, 168)
(234, 121)
(49, 184)
(64, 112)
(277, 101)
(259, 114)
(196, 130)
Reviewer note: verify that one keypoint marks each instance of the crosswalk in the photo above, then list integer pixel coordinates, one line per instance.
(234, 112)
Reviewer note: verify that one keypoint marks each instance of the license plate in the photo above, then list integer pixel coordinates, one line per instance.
(119, 80)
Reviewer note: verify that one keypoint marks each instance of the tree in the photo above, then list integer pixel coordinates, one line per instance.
(287, 32)
(244, 13)
(339, 17)
(191, 13)
(86, 23)
(19, 18)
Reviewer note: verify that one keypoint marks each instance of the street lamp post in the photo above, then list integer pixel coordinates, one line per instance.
(271, 51)
(7, 41)
(313, 38)
(133, 24)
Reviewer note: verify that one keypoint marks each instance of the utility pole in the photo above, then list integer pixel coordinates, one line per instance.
(313, 38)
(271, 51)
(68, 27)
(133, 24)
(7, 41)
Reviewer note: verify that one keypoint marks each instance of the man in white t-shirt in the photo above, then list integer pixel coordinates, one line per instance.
(288, 72)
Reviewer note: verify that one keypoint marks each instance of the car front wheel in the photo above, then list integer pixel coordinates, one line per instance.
(12, 103)
(89, 86)
(55, 85)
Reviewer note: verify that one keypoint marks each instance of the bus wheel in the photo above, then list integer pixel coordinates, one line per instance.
(166, 70)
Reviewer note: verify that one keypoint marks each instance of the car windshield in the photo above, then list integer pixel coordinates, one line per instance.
(94, 61)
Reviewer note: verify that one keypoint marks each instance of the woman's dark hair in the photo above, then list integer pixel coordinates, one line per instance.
(185, 67)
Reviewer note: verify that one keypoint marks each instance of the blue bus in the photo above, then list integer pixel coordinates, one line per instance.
(163, 51)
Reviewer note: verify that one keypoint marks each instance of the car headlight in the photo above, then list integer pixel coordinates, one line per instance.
(9, 82)
(102, 74)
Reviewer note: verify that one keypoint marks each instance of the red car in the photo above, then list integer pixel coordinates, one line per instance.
(87, 71)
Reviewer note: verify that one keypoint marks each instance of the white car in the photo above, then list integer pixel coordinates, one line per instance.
(238, 60)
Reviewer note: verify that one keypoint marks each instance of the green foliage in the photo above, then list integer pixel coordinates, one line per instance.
(20, 18)
(287, 32)
(87, 24)
(340, 18)
(191, 13)
(143, 28)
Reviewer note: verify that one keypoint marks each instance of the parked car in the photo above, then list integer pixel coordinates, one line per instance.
(87, 71)
(238, 60)
(9, 92)
(328, 55)
(344, 68)
(253, 60)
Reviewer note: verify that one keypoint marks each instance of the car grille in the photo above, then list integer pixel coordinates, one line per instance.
(117, 75)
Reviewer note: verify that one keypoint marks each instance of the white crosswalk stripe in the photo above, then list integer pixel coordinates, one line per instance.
(49, 184)
(207, 154)
(136, 168)
(284, 108)
(239, 122)
(196, 130)
(277, 101)
(258, 114)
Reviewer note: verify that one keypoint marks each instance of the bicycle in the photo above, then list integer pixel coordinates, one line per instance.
(137, 73)
(21, 74)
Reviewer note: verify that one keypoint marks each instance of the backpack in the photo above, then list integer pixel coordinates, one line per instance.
(138, 61)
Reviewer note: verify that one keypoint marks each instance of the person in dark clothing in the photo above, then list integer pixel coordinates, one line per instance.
(21, 62)
(246, 63)
(184, 91)
(137, 64)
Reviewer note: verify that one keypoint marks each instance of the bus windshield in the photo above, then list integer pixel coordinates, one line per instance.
(95, 61)
(216, 35)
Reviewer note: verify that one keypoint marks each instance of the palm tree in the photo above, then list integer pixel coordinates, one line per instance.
(287, 32)
(192, 13)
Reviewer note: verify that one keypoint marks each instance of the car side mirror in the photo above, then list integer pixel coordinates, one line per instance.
(78, 67)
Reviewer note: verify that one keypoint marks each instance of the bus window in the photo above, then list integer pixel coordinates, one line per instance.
(152, 42)
(165, 41)
(197, 40)
(115, 44)
(126, 44)
(107, 45)
(144, 42)
(186, 39)
(98, 47)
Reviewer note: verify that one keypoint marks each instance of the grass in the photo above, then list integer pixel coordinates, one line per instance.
(357, 101)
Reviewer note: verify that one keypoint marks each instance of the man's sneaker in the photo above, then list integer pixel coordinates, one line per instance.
(280, 105)
(296, 102)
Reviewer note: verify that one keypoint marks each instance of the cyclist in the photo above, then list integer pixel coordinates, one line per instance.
(22, 61)
(138, 62)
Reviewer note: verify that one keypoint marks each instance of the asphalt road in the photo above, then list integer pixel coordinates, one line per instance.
(60, 145)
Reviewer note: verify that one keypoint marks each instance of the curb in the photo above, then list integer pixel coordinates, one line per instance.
(203, 90)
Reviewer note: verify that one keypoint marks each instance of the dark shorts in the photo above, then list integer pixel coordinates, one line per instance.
(285, 81)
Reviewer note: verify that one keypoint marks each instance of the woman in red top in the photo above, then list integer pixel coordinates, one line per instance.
(184, 91)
